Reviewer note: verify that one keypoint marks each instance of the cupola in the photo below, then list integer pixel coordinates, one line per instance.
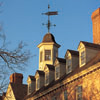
(48, 51)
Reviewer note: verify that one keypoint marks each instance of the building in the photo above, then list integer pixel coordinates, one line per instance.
(16, 89)
(74, 77)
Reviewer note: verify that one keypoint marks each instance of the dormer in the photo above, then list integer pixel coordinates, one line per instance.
(87, 51)
(31, 84)
(60, 67)
(49, 74)
(40, 78)
(48, 51)
(72, 60)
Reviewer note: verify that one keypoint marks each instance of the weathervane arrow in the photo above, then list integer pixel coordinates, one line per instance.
(49, 13)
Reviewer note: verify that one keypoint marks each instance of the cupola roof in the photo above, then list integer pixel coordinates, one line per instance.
(49, 38)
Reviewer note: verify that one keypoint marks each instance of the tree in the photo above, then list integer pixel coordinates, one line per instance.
(11, 60)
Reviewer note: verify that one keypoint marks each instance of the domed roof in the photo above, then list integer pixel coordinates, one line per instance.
(48, 38)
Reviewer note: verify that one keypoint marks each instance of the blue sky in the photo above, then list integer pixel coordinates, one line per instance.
(22, 21)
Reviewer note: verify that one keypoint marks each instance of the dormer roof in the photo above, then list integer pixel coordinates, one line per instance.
(61, 60)
(32, 78)
(73, 52)
(41, 73)
(50, 67)
(23, 90)
(88, 44)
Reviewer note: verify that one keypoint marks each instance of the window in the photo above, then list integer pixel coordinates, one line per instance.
(79, 93)
(47, 78)
(41, 55)
(54, 98)
(37, 83)
(57, 72)
(65, 95)
(82, 57)
(47, 54)
(29, 88)
(69, 65)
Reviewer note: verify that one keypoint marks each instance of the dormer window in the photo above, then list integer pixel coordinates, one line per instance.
(82, 57)
(37, 83)
(46, 78)
(57, 72)
(69, 65)
(29, 88)
(47, 55)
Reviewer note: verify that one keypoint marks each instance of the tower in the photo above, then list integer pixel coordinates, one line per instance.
(96, 26)
(48, 51)
(48, 48)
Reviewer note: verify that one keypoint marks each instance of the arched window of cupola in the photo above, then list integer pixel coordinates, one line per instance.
(47, 55)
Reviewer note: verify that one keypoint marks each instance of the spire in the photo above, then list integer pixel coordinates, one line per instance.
(49, 13)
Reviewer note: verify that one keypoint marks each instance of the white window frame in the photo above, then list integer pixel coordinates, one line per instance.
(37, 83)
(47, 78)
(69, 65)
(82, 57)
(79, 92)
(57, 72)
(29, 88)
(47, 55)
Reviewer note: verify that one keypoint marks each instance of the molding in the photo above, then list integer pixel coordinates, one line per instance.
(69, 80)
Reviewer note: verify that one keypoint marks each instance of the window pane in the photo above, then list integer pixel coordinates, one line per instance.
(82, 57)
(57, 72)
(47, 54)
(29, 88)
(54, 98)
(47, 78)
(38, 83)
(65, 95)
(69, 65)
(79, 93)
(69, 68)
(69, 62)
(79, 89)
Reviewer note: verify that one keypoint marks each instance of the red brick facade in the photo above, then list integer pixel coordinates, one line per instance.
(16, 78)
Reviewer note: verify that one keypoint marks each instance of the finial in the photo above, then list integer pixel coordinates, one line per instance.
(48, 6)
(49, 13)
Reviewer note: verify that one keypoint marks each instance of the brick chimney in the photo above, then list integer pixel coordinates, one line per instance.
(96, 26)
(16, 78)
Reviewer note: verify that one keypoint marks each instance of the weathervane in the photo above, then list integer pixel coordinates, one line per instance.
(49, 13)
